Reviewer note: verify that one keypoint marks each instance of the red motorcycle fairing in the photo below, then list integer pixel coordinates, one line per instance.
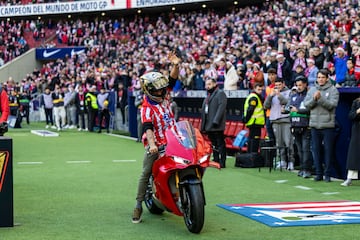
(186, 154)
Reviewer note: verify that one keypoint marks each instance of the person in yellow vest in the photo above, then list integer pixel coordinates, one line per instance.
(92, 107)
(254, 116)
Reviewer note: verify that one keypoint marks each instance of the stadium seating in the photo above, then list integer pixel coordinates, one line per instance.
(232, 128)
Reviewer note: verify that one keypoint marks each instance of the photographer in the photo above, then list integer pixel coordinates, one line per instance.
(299, 120)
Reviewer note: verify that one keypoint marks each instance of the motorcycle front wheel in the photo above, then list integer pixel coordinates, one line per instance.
(193, 206)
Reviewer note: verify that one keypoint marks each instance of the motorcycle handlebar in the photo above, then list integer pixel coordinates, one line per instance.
(161, 149)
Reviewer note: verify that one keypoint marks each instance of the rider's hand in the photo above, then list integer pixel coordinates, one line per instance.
(175, 60)
(153, 149)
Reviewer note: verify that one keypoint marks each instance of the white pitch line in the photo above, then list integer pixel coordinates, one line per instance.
(78, 161)
(120, 161)
(281, 181)
(122, 136)
(29, 163)
(303, 187)
(330, 193)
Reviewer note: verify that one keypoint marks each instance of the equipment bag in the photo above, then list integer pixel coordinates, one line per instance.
(241, 138)
(249, 160)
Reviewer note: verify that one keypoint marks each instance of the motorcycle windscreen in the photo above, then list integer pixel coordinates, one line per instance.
(181, 141)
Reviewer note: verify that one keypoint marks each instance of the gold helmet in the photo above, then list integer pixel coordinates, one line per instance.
(151, 83)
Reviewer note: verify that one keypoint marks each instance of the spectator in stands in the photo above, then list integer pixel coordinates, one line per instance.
(213, 118)
(209, 71)
(186, 76)
(231, 78)
(300, 59)
(299, 71)
(198, 78)
(311, 71)
(248, 74)
(220, 66)
(356, 57)
(318, 56)
(284, 69)
(257, 76)
(352, 162)
(254, 116)
(322, 100)
(240, 70)
(350, 79)
(280, 120)
(340, 60)
(299, 118)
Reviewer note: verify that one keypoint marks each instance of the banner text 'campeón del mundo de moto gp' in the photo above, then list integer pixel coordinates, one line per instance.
(72, 7)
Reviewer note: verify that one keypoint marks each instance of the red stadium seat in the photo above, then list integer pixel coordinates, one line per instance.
(227, 128)
(196, 122)
(232, 129)
(239, 126)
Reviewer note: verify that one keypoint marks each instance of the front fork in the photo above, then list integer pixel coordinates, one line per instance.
(191, 180)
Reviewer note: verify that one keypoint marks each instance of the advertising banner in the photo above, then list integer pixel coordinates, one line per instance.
(55, 53)
(61, 7)
(6, 183)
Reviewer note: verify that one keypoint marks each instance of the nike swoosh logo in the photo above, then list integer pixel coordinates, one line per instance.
(77, 52)
(49, 54)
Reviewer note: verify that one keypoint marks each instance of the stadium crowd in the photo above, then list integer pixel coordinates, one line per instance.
(237, 47)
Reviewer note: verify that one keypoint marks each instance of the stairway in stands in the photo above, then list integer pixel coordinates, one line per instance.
(50, 37)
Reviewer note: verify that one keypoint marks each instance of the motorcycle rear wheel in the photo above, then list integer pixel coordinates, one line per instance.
(193, 207)
(149, 203)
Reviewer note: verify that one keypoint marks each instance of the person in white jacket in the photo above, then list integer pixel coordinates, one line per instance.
(231, 77)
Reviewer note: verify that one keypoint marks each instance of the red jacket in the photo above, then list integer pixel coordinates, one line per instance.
(4, 106)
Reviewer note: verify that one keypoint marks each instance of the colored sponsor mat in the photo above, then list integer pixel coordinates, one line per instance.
(291, 214)
(44, 133)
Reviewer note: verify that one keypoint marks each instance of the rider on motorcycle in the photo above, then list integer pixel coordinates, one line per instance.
(156, 117)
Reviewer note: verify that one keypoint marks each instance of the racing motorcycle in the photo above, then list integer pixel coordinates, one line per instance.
(176, 181)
